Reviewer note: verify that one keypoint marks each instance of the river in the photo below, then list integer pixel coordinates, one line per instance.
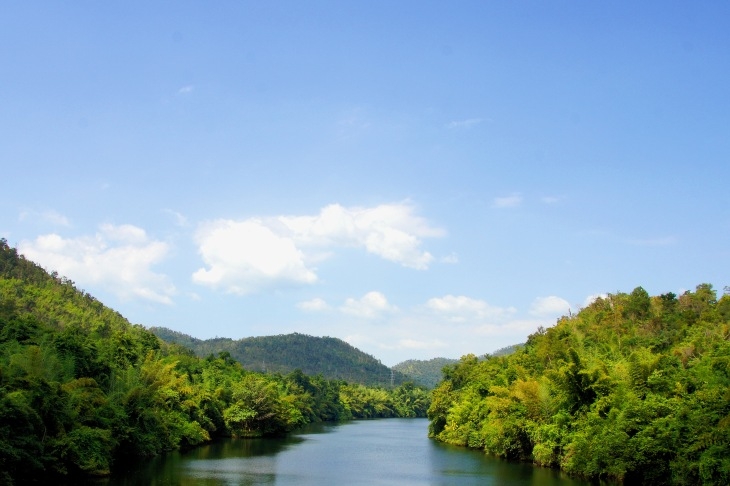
(363, 452)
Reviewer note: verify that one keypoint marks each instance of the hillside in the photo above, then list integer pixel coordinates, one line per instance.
(330, 357)
(426, 373)
(81, 388)
(633, 388)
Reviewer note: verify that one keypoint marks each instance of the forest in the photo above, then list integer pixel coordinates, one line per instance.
(632, 388)
(82, 389)
(331, 357)
(428, 373)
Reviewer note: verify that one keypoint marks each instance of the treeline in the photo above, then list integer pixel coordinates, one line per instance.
(633, 388)
(82, 389)
(331, 357)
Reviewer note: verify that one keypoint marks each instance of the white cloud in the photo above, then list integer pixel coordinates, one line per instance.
(185, 90)
(125, 233)
(244, 256)
(549, 306)
(313, 305)
(511, 201)
(465, 124)
(391, 231)
(449, 326)
(461, 308)
(369, 306)
(117, 258)
(413, 333)
(247, 255)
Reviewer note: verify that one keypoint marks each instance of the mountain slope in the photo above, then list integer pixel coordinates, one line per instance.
(426, 373)
(330, 357)
(633, 388)
(82, 389)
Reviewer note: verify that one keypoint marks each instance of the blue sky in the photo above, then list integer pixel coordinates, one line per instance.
(420, 179)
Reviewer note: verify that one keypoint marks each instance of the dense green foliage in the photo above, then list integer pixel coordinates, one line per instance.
(634, 388)
(506, 350)
(81, 387)
(426, 373)
(429, 373)
(330, 357)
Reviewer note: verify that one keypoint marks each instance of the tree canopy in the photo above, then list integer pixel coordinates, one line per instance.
(82, 388)
(633, 388)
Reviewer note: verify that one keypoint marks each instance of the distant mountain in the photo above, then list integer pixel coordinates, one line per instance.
(331, 357)
(424, 373)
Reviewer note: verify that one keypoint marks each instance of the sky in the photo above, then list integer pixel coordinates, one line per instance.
(420, 179)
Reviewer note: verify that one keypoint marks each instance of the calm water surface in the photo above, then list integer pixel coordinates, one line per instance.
(368, 452)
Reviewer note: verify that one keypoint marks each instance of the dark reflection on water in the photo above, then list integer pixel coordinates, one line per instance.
(376, 452)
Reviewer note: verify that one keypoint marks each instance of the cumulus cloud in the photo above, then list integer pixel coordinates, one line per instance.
(117, 258)
(371, 305)
(460, 308)
(313, 305)
(449, 326)
(242, 256)
(511, 201)
(186, 90)
(549, 306)
(390, 231)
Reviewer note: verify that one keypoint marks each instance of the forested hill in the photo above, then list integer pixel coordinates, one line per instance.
(633, 388)
(82, 388)
(330, 357)
(426, 373)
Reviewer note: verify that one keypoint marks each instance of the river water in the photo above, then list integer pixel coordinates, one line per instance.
(364, 452)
